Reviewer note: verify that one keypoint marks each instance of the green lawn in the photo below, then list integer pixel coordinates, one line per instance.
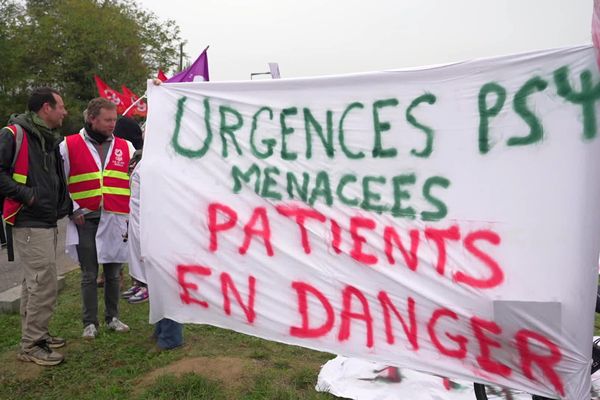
(213, 364)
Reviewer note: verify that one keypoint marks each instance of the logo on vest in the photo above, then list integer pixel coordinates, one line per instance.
(118, 161)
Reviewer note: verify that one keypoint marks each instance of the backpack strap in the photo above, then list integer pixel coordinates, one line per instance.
(18, 133)
(18, 143)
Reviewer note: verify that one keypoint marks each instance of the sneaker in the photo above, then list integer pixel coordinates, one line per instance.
(55, 342)
(90, 332)
(117, 326)
(130, 292)
(140, 297)
(41, 354)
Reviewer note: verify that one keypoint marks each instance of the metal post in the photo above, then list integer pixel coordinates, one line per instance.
(253, 74)
(181, 57)
(273, 71)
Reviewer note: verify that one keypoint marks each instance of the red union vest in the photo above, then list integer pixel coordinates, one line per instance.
(91, 188)
(11, 207)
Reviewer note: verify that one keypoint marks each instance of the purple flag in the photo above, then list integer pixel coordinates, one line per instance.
(197, 71)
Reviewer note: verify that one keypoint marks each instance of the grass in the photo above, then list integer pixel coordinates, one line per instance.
(213, 364)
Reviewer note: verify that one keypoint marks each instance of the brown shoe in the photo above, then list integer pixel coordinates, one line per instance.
(55, 342)
(41, 355)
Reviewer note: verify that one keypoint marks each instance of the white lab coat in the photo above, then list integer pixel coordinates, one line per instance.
(110, 247)
(136, 263)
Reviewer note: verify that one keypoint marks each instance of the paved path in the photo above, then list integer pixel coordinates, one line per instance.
(11, 274)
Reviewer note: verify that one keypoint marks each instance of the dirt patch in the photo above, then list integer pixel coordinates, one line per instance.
(13, 369)
(232, 370)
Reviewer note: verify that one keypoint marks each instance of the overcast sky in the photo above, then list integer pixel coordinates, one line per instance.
(325, 37)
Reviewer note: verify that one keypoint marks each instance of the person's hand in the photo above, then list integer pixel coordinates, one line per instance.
(78, 219)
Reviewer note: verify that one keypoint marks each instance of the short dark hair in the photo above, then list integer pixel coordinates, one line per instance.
(40, 96)
(128, 129)
(97, 104)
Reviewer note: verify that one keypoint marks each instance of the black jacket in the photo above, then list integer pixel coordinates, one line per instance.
(46, 181)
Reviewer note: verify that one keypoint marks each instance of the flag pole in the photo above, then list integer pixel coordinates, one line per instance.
(133, 104)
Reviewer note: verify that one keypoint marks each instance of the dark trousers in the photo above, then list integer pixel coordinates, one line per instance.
(88, 260)
(168, 334)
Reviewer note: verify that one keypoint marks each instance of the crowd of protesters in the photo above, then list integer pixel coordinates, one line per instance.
(91, 177)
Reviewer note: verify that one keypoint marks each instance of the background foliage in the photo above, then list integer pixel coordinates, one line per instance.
(64, 43)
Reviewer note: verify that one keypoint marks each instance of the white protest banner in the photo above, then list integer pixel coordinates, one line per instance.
(441, 219)
(351, 378)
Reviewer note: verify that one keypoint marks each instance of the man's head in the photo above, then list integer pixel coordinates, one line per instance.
(48, 105)
(101, 114)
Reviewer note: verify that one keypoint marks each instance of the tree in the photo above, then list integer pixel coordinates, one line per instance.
(64, 43)
(12, 50)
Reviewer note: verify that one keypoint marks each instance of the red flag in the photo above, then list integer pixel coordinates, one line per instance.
(140, 109)
(109, 93)
(161, 75)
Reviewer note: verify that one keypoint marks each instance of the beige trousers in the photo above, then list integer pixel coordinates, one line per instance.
(37, 250)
